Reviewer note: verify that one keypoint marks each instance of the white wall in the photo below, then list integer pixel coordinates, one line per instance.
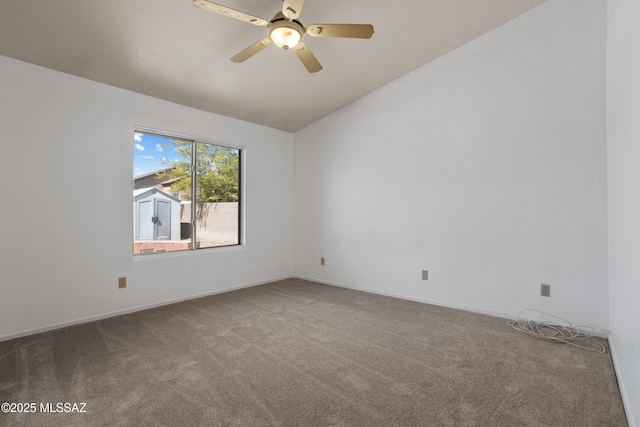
(623, 129)
(486, 167)
(66, 194)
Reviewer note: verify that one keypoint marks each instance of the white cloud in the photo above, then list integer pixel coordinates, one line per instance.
(139, 147)
(159, 147)
(137, 137)
(146, 157)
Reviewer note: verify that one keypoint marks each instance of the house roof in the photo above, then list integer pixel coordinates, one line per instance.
(148, 174)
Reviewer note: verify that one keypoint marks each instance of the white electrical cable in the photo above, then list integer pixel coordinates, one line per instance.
(563, 332)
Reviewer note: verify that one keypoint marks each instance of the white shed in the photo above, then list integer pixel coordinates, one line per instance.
(156, 215)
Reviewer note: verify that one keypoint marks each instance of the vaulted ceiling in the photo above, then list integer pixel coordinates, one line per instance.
(174, 51)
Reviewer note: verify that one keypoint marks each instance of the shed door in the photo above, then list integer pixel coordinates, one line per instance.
(163, 222)
(145, 226)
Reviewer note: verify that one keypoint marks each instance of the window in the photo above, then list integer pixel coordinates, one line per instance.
(186, 194)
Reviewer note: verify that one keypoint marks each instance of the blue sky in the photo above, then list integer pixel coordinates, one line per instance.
(149, 153)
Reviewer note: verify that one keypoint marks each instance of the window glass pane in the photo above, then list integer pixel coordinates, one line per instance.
(165, 192)
(162, 194)
(217, 195)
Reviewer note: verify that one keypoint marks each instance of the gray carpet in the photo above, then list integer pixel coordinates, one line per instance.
(298, 353)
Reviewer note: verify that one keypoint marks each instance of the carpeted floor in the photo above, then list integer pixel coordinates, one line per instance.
(298, 353)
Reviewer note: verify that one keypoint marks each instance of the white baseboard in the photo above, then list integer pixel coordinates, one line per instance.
(602, 333)
(503, 315)
(623, 391)
(132, 310)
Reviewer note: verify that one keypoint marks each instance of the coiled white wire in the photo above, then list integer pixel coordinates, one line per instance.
(563, 332)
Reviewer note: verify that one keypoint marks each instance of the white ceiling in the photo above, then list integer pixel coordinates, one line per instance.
(171, 50)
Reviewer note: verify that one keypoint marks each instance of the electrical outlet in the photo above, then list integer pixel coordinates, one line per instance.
(425, 275)
(122, 282)
(322, 261)
(545, 290)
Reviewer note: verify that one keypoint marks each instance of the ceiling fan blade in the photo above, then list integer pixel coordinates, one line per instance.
(306, 57)
(358, 31)
(251, 50)
(231, 13)
(291, 8)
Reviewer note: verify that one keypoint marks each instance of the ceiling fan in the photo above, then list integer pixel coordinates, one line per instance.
(286, 31)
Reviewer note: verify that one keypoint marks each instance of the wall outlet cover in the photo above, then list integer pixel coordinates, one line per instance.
(545, 290)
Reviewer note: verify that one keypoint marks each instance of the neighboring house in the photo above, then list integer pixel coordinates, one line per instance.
(156, 215)
(157, 179)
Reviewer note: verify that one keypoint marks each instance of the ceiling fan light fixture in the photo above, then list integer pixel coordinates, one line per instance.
(285, 34)
(285, 31)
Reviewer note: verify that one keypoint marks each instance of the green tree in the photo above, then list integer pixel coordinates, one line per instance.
(217, 172)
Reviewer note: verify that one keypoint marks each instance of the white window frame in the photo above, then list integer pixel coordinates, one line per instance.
(241, 188)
